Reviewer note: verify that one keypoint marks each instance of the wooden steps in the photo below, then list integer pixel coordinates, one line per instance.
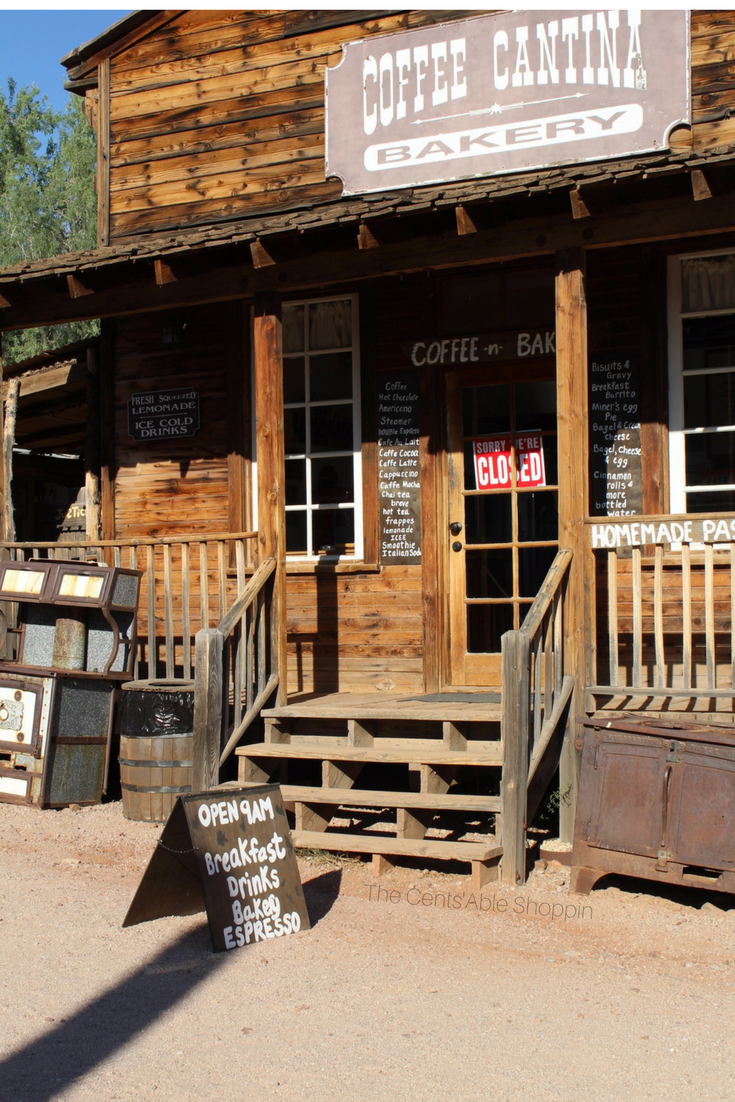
(353, 797)
(443, 742)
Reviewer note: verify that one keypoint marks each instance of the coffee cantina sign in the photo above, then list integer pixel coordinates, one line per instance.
(505, 93)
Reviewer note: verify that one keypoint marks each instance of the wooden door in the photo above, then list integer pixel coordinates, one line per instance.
(501, 524)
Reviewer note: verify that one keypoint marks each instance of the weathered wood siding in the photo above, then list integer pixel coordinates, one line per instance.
(218, 114)
(172, 487)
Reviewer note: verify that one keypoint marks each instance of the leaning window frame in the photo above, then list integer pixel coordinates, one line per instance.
(677, 433)
(358, 504)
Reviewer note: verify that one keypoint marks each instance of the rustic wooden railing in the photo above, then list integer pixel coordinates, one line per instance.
(236, 674)
(536, 695)
(188, 583)
(670, 630)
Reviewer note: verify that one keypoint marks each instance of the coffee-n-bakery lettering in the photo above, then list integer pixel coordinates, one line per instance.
(164, 414)
(481, 348)
(615, 436)
(505, 93)
(399, 494)
(236, 844)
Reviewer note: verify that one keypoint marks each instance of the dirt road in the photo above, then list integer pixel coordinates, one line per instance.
(408, 988)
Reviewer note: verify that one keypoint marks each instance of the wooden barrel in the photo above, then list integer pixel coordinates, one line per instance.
(156, 747)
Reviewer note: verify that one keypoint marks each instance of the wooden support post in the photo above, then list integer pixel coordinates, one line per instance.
(514, 729)
(92, 450)
(103, 153)
(208, 708)
(268, 370)
(381, 864)
(573, 444)
(360, 732)
(107, 429)
(11, 412)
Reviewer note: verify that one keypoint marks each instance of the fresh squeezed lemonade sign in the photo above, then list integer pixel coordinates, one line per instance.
(493, 462)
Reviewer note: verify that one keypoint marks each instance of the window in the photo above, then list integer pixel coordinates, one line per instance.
(702, 383)
(321, 395)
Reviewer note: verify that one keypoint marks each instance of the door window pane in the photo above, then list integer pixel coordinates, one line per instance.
(489, 573)
(486, 624)
(538, 516)
(536, 406)
(485, 410)
(533, 566)
(488, 518)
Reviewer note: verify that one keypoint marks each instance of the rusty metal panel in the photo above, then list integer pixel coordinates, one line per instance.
(505, 93)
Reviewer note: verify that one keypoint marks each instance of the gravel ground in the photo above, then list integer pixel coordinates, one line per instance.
(393, 995)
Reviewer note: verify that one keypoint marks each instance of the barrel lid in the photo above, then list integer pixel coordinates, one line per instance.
(160, 685)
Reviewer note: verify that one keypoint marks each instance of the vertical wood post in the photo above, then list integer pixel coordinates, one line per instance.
(208, 708)
(269, 451)
(103, 153)
(11, 412)
(107, 429)
(514, 729)
(573, 445)
(92, 449)
(2, 416)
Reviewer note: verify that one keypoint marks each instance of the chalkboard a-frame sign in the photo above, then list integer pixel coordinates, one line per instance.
(228, 852)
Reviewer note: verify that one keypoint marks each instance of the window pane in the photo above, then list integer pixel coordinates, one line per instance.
(538, 516)
(470, 303)
(293, 328)
(330, 377)
(332, 480)
(488, 519)
(295, 532)
(708, 343)
(708, 283)
(330, 324)
(710, 459)
(529, 298)
(714, 501)
(533, 566)
(295, 481)
(536, 406)
(550, 461)
(485, 410)
(331, 428)
(294, 389)
(489, 573)
(294, 430)
(334, 531)
(485, 625)
(709, 400)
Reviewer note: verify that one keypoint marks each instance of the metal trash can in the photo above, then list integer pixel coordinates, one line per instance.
(156, 722)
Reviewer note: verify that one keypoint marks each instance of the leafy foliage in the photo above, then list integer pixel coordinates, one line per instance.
(47, 200)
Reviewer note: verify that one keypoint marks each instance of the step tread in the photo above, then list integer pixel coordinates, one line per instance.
(401, 755)
(389, 706)
(403, 847)
(345, 797)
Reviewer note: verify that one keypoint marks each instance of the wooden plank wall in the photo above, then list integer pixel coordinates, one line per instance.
(219, 114)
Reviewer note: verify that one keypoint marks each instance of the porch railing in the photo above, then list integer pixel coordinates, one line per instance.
(188, 583)
(670, 618)
(236, 674)
(536, 695)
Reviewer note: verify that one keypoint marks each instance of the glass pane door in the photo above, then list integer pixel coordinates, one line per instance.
(502, 525)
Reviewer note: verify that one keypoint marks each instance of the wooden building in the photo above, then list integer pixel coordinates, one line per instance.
(414, 448)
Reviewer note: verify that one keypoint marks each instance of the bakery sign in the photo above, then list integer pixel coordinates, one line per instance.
(505, 93)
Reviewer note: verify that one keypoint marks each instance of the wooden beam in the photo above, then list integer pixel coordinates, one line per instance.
(700, 187)
(579, 207)
(465, 222)
(76, 288)
(92, 449)
(107, 429)
(102, 180)
(48, 378)
(163, 272)
(269, 450)
(261, 256)
(4, 304)
(514, 729)
(11, 412)
(366, 239)
(572, 422)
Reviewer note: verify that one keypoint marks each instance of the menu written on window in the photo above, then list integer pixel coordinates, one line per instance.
(399, 495)
(615, 435)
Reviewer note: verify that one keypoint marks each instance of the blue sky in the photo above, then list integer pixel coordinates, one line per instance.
(31, 43)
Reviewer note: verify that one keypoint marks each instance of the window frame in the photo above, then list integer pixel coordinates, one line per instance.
(310, 507)
(677, 433)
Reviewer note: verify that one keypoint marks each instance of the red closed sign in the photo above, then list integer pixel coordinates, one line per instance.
(494, 462)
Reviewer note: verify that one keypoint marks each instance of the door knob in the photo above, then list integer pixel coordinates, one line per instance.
(455, 528)
(456, 546)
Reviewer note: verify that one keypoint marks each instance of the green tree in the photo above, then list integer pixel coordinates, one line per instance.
(47, 200)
